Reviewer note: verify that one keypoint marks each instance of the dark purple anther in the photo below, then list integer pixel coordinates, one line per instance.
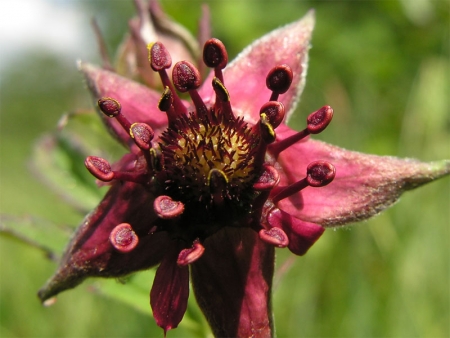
(160, 60)
(215, 54)
(222, 99)
(142, 134)
(99, 168)
(109, 106)
(319, 120)
(274, 111)
(268, 179)
(220, 90)
(159, 57)
(166, 208)
(185, 76)
(267, 132)
(188, 256)
(166, 100)
(279, 80)
(275, 236)
(123, 238)
(320, 173)
(316, 122)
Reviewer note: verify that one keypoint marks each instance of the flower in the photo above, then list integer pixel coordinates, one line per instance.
(216, 183)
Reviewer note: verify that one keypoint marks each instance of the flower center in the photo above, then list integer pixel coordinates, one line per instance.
(203, 160)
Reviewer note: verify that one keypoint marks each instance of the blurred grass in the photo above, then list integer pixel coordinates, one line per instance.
(382, 65)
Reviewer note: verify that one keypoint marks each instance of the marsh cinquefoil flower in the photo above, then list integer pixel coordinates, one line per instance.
(212, 186)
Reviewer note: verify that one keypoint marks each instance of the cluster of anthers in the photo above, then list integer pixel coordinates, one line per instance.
(211, 169)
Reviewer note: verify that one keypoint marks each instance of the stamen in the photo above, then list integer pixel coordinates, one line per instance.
(265, 183)
(274, 236)
(160, 60)
(123, 238)
(215, 56)
(274, 111)
(268, 136)
(268, 179)
(186, 78)
(302, 235)
(220, 90)
(267, 131)
(222, 99)
(279, 80)
(190, 255)
(319, 120)
(143, 134)
(159, 57)
(111, 108)
(99, 168)
(318, 174)
(166, 100)
(316, 123)
(166, 208)
(165, 104)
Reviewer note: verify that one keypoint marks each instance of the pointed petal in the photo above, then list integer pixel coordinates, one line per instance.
(302, 235)
(139, 103)
(232, 283)
(170, 291)
(90, 252)
(364, 184)
(245, 77)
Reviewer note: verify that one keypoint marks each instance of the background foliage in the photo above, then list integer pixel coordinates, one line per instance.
(384, 68)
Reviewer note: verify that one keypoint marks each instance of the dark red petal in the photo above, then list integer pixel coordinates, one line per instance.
(302, 235)
(91, 254)
(170, 291)
(232, 283)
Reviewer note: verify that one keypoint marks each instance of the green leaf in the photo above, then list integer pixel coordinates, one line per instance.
(45, 236)
(58, 158)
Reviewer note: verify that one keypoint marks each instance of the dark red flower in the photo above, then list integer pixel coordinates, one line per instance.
(217, 182)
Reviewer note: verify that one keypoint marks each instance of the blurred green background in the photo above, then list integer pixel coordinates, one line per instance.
(384, 68)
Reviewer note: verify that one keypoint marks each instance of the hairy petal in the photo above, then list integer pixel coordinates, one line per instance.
(90, 253)
(170, 291)
(139, 103)
(364, 184)
(245, 77)
(232, 283)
